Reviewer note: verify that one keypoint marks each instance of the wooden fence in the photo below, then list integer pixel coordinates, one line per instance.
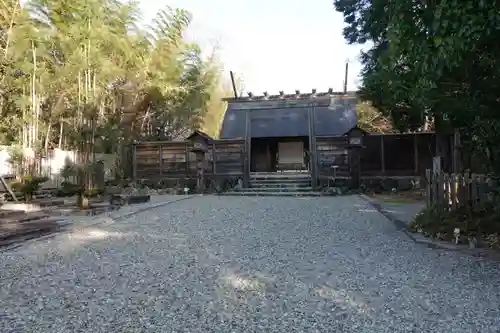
(453, 191)
(174, 159)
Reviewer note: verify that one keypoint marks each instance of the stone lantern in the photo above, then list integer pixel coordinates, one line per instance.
(199, 145)
(356, 137)
(355, 142)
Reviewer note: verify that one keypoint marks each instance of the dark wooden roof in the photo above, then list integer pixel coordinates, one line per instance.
(356, 128)
(200, 133)
(271, 116)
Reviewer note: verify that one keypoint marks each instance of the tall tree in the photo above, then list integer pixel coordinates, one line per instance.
(431, 61)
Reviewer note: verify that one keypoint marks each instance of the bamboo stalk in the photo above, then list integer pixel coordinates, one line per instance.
(33, 97)
(61, 128)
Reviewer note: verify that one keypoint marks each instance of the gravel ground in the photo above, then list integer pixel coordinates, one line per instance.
(241, 264)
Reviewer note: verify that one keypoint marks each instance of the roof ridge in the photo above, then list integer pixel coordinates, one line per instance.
(296, 96)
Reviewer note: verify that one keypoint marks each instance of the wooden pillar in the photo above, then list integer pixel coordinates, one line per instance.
(354, 167)
(200, 166)
(214, 160)
(309, 129)
(160, 152)
(415, 152)
(186, 151)
(248, 149)
(314, 156)
(382, 153)
(313, 160)
(134, 161)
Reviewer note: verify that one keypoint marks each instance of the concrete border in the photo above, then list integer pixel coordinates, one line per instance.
(421, 239)
(102, 219)
(66, 225)
(160, 204)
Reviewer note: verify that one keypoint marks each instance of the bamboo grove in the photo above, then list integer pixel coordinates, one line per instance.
(87, 74)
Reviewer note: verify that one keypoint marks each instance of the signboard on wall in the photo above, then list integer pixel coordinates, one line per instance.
(291, 152)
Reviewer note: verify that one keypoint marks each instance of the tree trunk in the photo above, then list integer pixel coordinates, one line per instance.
(61, 127)
(47, 139)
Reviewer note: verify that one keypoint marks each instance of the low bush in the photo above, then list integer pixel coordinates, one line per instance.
(28, 186)
(480, 221)
(93, 192)
(68, 189)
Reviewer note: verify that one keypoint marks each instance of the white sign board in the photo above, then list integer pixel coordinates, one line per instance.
(291, 152)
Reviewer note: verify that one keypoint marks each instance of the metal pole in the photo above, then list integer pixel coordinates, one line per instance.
(345, 78)
(234, 85)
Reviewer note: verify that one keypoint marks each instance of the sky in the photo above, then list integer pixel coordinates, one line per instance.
(272, 45)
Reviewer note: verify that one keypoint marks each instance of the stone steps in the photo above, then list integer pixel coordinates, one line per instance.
(276, 189)
(281, 185)
(290, 184)
(274, 194)
(281, 181)
(279, 177)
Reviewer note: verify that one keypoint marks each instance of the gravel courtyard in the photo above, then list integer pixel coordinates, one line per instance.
(246, 264)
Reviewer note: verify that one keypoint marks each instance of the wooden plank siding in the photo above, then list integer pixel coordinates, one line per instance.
(157, 160)
(384, 155)
(393, 155)
(332, 157)
(229, 157)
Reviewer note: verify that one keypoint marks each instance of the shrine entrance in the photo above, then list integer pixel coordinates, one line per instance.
(279, 154)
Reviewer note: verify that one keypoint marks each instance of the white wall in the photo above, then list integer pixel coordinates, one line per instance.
(52, 165)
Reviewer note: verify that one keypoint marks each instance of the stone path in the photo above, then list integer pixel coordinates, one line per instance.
(404, 212)
(246, 264)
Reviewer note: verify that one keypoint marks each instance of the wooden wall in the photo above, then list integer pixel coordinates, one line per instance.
(398, 154)
(384, 155)
(332, 156)
(157, 160)
(229, 157)
(174, 159)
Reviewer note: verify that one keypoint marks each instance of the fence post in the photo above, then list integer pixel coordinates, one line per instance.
(446, 191)
(473, 189)
(440, 190)
(465, 189)
(435, 188)
(453, 191)
(160, 152)
(428, 198)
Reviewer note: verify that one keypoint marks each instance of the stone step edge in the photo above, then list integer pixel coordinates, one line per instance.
(277, 194)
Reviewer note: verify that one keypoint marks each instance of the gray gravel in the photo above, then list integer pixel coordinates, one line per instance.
(236, 264)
